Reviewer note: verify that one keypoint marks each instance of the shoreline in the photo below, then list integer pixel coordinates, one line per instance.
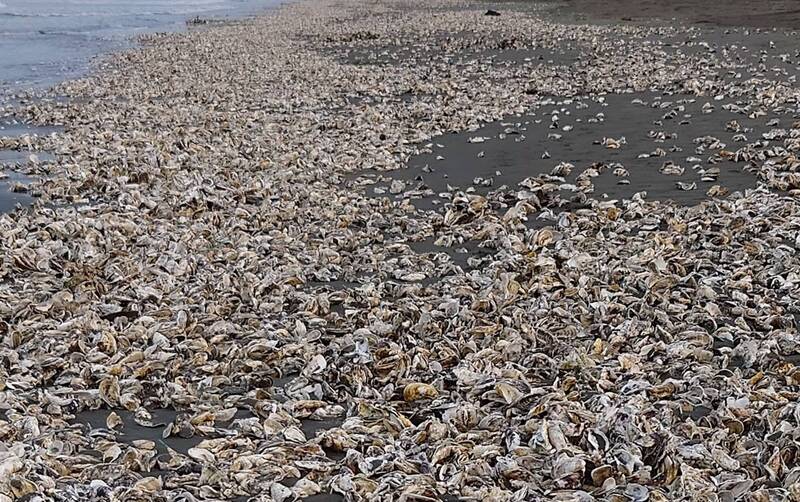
(89, 50)
(402, 248)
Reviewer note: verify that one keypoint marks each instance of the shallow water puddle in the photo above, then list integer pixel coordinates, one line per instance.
(133, 431)
(13, 191)
(14, 128)
(20, 157)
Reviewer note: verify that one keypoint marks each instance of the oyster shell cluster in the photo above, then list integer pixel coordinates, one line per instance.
(210, 300)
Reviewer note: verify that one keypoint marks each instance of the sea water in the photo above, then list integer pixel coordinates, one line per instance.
(45, 41)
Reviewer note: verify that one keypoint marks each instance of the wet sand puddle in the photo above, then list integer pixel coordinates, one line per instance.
(15, 186)
(14, 191)
(408, 268)
(15, 163)
(171, 446)
(14, 128)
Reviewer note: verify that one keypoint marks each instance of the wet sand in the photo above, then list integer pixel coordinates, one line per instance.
(166, 432)
(656, 129)
(765, 14)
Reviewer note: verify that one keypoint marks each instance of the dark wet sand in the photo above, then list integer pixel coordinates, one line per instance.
(94, 422)
(755, 14)
(656, 128)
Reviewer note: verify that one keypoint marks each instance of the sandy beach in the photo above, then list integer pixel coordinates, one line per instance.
(410, 250)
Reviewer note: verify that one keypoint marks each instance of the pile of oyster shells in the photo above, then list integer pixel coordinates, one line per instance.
(205, 303)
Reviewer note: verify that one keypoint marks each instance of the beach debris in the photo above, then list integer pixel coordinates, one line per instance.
(613, 143)
(211, 303)
(717, 191)
(672, 169)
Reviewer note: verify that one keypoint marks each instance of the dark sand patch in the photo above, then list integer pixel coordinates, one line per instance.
(451, 48)
(651, 129)
(325, 497)
(744, 53)
(332, 285)
(405, 56)
(311, 428)
(132, 431)
(467, 255)
(550, 56)
(770, 14)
